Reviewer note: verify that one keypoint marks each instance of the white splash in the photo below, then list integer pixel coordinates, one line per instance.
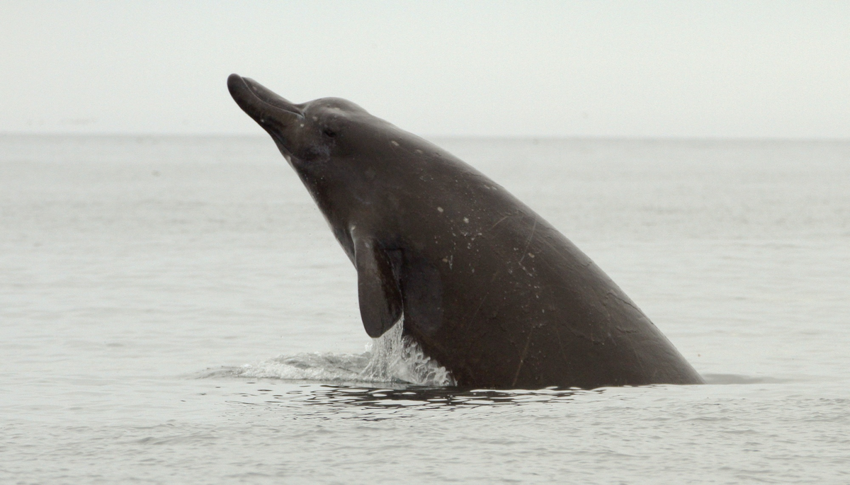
(394, 357)
(310, 367)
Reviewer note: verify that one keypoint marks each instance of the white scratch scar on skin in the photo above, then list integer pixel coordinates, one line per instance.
(528, 243)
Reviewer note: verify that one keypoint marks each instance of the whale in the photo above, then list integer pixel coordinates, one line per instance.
(483, 284)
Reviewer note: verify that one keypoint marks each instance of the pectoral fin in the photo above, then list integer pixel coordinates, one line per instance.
(378, 290)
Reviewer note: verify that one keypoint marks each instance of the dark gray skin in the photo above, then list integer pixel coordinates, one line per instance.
(487, 288)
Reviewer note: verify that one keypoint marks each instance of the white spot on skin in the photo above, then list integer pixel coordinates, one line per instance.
(449, 259)
(440, 210)
(466, 220)
(394, 143)
(531, 254)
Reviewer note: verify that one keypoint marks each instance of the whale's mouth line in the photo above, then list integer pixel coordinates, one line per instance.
(258, 99)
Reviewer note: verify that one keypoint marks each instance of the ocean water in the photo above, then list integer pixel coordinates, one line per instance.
(175, 310)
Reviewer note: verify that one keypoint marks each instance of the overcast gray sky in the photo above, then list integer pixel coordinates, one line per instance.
(594, 68)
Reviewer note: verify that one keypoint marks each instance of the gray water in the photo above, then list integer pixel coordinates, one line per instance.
(175, 310)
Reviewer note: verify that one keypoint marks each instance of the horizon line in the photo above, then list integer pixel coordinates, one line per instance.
(704, 138)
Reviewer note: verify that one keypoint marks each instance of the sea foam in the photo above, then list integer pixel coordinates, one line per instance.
(391, 358)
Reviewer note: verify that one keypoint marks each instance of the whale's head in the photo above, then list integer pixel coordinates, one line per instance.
(336, 147)
(307, 134)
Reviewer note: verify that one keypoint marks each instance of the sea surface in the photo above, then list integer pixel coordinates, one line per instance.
(175, 310)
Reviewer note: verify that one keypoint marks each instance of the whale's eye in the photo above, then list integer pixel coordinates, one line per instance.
(329, 133)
